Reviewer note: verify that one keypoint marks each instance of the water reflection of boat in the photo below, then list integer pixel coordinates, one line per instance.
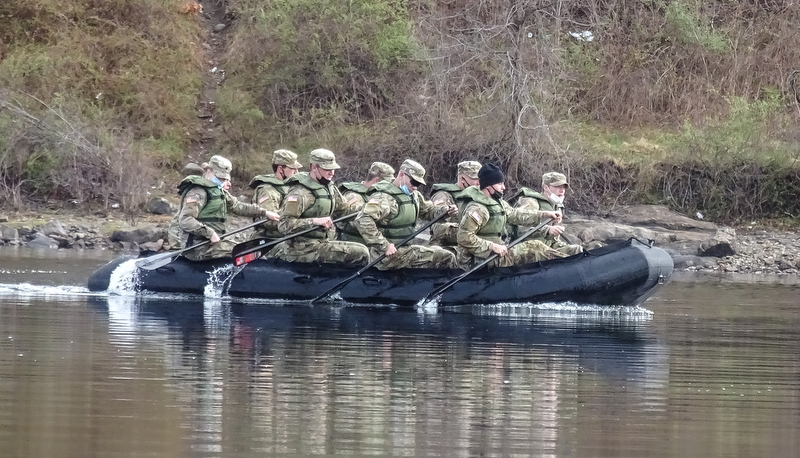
(625, 273)
(616, 344)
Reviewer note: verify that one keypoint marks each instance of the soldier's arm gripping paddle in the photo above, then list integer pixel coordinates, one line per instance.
(457, 279)
(162, 259)
(254, 249)
(347, 280)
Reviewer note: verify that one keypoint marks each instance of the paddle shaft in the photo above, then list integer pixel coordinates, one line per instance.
(160, 260)
(262, 248)
(455, 280)
(347, 280)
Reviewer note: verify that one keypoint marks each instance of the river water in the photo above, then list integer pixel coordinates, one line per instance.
(702, 369)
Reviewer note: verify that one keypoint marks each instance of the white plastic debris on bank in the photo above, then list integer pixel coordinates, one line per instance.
(583, 36)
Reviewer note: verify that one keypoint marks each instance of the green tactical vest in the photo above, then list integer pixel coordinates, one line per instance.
(323, 202)
(349, 232)
(277, 183)
(353, 186)
(215, 211)
(495, 228)
(449, 188)
(402, 225)
(544, 205)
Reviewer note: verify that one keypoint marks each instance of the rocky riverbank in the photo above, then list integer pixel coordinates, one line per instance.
(696, 246)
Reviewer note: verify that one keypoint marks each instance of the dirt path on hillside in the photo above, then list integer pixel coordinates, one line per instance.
(215, 20)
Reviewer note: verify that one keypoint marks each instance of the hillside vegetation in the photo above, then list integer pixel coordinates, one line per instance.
(687, 103)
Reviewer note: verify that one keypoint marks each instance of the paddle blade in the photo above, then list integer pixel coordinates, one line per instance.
(154, 262)
(249, 257)
(243, 248)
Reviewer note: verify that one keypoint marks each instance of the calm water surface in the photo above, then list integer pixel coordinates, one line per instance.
(704, 369)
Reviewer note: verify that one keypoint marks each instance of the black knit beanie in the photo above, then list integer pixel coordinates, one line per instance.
(490, 174)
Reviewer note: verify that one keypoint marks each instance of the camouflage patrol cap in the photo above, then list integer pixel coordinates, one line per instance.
(193, 169)
(324, 158)
(554, 179)
(381, 170)
(287, 158)
(414, 170)
(220, 166)
(469, 169)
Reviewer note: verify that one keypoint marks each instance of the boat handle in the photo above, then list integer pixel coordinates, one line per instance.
(303, 279)
(371, 281)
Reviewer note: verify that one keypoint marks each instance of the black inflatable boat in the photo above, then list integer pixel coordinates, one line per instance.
(624, 273)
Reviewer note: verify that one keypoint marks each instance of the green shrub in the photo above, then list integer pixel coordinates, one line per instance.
(320, 61)
(687, 24)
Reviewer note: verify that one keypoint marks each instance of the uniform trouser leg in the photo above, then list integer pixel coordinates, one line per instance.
(221, 249)
(341, 252)
(327, 251)
(419, 257)
(568, 250)
(526, 253)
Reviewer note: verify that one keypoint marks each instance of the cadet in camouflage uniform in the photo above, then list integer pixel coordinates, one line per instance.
(355, 194)
(547, 204)
(444, 234)
(174, 229)
(389, 217)
(205, 203)
(311, 201)
(270, 189)
(484, 217)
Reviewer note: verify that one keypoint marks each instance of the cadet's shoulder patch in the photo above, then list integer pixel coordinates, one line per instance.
(191, 199)
(374, 201)
(476, 216)
(291, 198)
(438, 202)
(352, 199)
(263, 199)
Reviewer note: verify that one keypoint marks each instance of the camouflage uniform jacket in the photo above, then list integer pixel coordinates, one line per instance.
(355, 194)
(483, 220)
(268, 194)
(300, 206)
(196, 192)
(382, 208)
(535, 202)
(444, 233)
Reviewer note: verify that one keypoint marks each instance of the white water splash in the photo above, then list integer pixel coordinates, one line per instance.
(428, 307)
(124, 280)
(218, 280)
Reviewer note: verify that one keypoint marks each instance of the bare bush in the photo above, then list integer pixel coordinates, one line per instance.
(55, 156)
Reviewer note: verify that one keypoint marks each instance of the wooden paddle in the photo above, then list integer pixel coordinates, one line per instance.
(254, 249)
(457, 279)
(162, 259)
(347, 280)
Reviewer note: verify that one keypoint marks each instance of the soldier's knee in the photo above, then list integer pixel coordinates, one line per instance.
(360, 254)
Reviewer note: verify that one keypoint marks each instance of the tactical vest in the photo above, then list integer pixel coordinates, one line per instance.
(350, 233)
(495, 228)
(215, 212)
(353, 186)
(402, 225)
(277, 183)
(544, 205)
(323, 203)
(449, 188)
